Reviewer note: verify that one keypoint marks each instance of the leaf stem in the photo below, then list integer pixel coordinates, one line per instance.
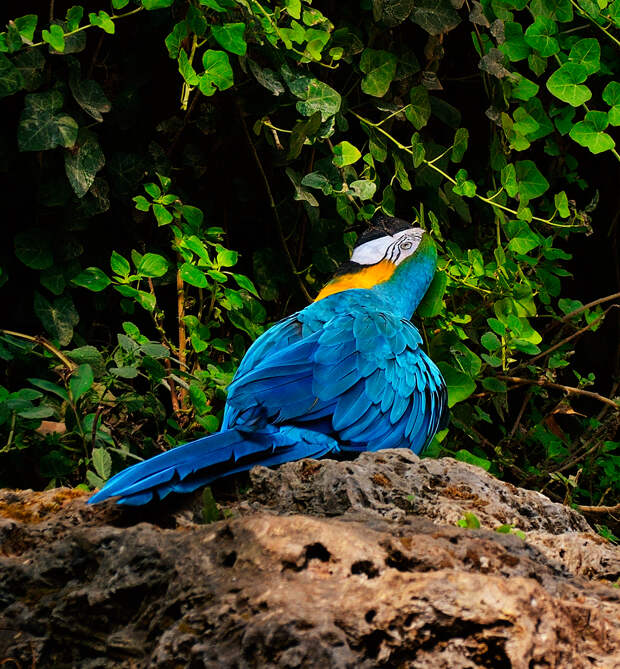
(69, 364)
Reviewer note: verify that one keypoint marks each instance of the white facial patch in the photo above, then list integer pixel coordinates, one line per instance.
(394, 248)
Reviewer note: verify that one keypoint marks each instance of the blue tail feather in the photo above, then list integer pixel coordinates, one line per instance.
(197, 463)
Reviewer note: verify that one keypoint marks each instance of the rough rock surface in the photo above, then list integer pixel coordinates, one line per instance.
(325, 564)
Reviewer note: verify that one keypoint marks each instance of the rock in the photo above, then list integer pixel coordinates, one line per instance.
(325, 564)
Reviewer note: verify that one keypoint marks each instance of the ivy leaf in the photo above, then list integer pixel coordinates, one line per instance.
(524, 89)
(586, 52)
(266, 78)
(157, 4)
(301, 131)
(611, 95)
(193, 275)
(102, 20)
(41, 128)
(175, 39)
(509, 180)
(590, 132)
(26, 26)
(318, 96)
(83, 162)
(460, 385)
(218, 72)
(514, 47)
(58, 318)
(11, 79)
(55, 37)
(230, 37)
(29, 64)
(379, 68)
(558, 10)
(565, 82)
(459, 146)
(435, 16)
(363, 189)
(186, 69)
(540, 36)
(531, 182)
(345, 154)
(419, 109)
(33, 249)
(92, 278)
(561, 204)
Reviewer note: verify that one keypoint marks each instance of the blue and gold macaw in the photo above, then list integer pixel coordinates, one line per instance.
(345, 374)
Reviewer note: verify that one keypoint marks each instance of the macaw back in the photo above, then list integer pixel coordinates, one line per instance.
(345, 374)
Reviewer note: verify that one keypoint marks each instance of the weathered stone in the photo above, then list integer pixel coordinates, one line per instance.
(374, 585)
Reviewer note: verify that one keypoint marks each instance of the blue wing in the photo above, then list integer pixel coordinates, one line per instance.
(361, 378)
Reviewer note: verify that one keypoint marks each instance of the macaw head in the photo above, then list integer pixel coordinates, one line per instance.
(392, 258)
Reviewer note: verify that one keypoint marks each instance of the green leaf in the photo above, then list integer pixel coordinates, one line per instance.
(152, 265)
(186, 69)
(540, 36)
(163, 216)
(55, 37)
(561, 204)
(175, 39)
(435, 16)
(102, 20)
(494, 385)
(345, 154)
(460, 385)
(29, 65)
(464, 455)
(102, 462)
(490, 341)
(227, 258)
(459, 146)
(363, 189)
(218, 72)
(558, 10)
(92, 278)
(26, 26)
(157, 4)
(611, 95)
(142, 203)
(33, 249)
(532, 183)
(11, 79)
(90, 355)
(379, 68)
(83, 162)
(469, 520)
(565, 84)
(41, 127)
(318, 96)
(432, 302)
(58, 318)
(514, 47)
(50, 387)
(88, 94)
(524, 89)
(301, 131)
(81, 381)
(587, 52)
(419, 109)
(590, 132)
(192, 215)
(193, 275)
(119, 265)
(73, 17)
(245, 283)
(230, 37)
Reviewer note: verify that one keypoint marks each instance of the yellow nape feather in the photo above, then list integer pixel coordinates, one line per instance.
(365, 278)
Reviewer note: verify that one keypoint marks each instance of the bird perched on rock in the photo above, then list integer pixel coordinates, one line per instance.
(345, 374)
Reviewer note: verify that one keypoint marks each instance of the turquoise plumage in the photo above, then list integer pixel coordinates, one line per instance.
(345, 374)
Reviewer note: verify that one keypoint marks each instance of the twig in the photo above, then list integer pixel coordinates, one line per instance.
(600, 300)
(274, 208)
(568, 389)
(182, 335)
(519, 416)
(599, 509)
(69, 364)
(95, 421)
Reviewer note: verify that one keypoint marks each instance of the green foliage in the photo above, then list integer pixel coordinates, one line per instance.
(291, 129)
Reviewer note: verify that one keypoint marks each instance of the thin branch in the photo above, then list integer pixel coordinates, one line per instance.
(599, 509)
(568, 389)
(182, 335)
(274, 209)
(69, 364)
(594, 303)
(526, 399)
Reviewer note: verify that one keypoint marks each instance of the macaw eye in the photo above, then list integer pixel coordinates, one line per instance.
(405, 246)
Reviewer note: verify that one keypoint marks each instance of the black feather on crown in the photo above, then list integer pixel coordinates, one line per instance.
(382, 225)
